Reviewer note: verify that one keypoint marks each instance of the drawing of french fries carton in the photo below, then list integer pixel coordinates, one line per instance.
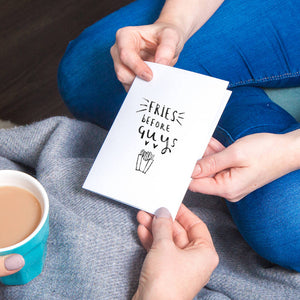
(144, 161)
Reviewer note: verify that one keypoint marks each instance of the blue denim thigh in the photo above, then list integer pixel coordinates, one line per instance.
(246, 43)
(252, 43)
(268, 218)
(249, 111)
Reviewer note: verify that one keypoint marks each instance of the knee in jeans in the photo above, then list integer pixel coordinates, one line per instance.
(68, 82)
(280, 248)
(77, 79)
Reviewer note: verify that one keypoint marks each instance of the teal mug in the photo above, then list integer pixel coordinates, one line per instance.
(34, 247)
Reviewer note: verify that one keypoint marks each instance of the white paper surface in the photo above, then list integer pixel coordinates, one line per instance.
(161, 130)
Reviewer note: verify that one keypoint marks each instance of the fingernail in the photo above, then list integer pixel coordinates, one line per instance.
(14, 262)
(197, 171)
(162, 213)
(146, 76)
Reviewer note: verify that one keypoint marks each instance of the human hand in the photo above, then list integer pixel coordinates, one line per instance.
(158, 42)
(246, 165)
(10, 264)
(181, 255)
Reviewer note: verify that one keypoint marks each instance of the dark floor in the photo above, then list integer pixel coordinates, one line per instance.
(33, 38)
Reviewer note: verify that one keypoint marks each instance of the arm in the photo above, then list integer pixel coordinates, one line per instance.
(293, 153)
(248, 164)
(160, 42)
(188, 15)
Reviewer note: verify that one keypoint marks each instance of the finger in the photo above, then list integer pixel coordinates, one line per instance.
(10, 264)
(229, 184)
(145, 219)
(133, 61)
(219, 185)
(126, 87)
(129, 54)
(206, 185)
(124, 75)
(168, 41)
(214, 146)
(162, 225)
(212, 164)
(194, 226)
(224, 184)
(180, 236)
(145, 237)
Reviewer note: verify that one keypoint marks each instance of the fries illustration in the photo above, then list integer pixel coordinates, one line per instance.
(144, 161)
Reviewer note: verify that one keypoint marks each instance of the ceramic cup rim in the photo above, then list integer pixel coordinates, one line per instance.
(26, 177)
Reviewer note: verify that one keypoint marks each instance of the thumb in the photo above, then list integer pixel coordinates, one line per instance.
(167, 46)
(212, 164)
(162, 225)
(10, 264)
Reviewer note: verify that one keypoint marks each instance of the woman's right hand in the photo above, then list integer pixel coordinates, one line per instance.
(10, 264)
(158, 42)
(181, 255)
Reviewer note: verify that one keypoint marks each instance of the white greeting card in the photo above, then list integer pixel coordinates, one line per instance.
(161, 130)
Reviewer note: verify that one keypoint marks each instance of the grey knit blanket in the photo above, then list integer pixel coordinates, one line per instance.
(93, 248)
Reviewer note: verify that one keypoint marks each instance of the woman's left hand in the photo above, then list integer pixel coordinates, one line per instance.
(246, 165)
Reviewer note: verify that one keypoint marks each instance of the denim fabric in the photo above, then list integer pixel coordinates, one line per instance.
(86, 77)
(252, 44)
(93, 248)
(245, 42)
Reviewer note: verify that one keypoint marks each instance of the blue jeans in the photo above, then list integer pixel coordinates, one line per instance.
(252, 44)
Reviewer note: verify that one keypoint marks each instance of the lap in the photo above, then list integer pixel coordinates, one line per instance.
(246, 43)
(250, 111)
(268, 218)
